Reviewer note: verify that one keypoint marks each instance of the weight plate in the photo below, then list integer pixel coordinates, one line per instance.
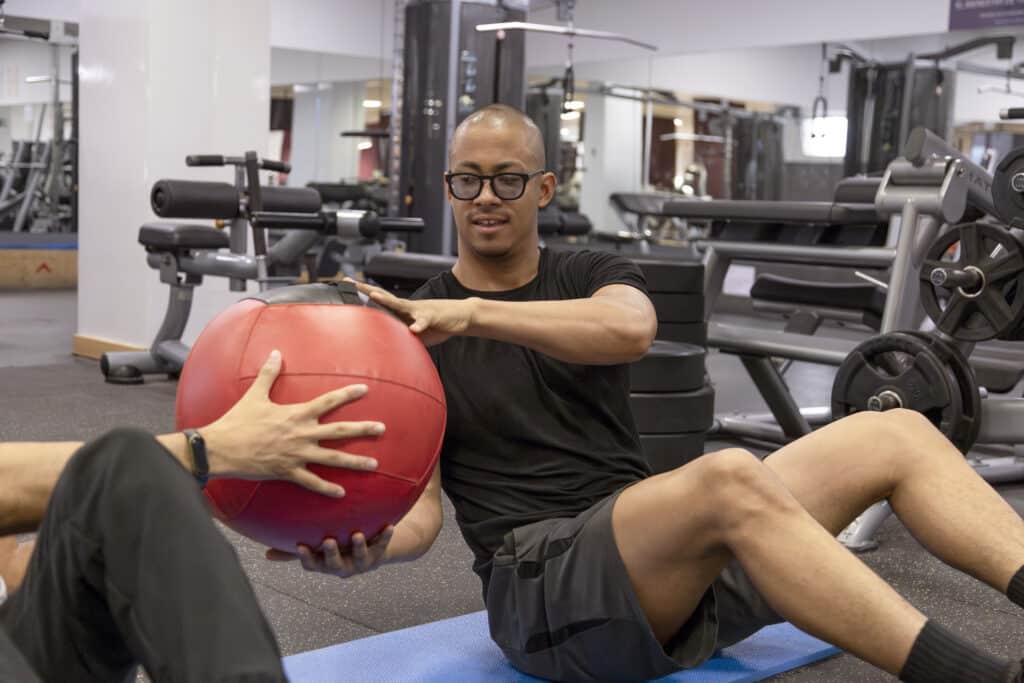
(970, 422)
(680, 277)
(1008, 201)
(691, 333)
(684, 411)
(665, 452)
(993, 309)
(898, 370)
(678, 308)
(668, 366)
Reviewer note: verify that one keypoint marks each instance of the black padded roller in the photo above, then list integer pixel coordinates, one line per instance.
(668, 413)
(678, 308)
(665, 452)
(290, 199)
(668, 367)
(691, 333)
(193, 199)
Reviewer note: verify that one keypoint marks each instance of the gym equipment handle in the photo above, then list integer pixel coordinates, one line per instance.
(204, 160)
(345, 223)
(221, 160)
(1012, 113)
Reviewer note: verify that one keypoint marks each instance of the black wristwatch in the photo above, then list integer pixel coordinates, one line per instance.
(197, 451)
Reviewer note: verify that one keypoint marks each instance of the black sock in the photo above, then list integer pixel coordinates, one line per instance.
(939, 656)
(1016, 590)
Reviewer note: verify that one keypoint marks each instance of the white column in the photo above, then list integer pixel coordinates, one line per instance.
(613, 138)
(158, 81)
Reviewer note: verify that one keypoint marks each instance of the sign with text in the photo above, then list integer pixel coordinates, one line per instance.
(985, 13)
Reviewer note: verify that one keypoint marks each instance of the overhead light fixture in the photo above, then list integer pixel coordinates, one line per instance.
(373, 104)
(574, 105)
(364, 145)
(299, 87)
(570, 115)
(677, 122)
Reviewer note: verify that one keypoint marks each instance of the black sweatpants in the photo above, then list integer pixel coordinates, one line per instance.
(129, 569)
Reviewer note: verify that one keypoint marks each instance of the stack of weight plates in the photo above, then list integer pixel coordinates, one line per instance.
(673, 403)
(677, 290)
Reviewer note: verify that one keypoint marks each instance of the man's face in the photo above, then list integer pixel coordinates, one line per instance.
(489, 225)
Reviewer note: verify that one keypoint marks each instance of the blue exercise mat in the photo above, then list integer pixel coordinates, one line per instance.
(460, 650)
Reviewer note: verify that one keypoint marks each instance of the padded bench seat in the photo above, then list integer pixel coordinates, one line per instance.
(855, 297)
(176, 236)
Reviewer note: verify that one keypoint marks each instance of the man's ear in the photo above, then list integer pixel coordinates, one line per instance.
(548, 183)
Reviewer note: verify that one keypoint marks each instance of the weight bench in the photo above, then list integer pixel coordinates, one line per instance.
(461, 650)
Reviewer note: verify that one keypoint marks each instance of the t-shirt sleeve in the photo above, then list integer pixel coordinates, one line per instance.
(596, 269)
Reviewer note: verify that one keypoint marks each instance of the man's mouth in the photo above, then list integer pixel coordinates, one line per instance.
(488, 224)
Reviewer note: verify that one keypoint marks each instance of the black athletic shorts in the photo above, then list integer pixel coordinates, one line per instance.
(561, 606)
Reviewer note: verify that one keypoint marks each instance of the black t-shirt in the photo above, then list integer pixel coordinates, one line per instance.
(530, 437)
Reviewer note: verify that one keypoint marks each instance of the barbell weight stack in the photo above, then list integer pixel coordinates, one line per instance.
(972, 282)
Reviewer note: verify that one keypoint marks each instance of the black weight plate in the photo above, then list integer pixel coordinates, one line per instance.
(680, 277)
(1009, 203)
(665, 452)
(691, 333)
(997, 308)
(668, 366)
(678, 308)
(964, 376)
(906, 366)
(665, 413)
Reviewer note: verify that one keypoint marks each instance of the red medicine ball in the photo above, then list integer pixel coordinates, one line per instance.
(328, 340)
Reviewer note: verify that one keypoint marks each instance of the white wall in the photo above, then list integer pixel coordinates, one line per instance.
(145, 104)
(612, 157)
(61, 10)
(298, 66)
(348, 27)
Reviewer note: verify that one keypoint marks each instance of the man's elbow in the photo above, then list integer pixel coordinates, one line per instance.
(638, 336)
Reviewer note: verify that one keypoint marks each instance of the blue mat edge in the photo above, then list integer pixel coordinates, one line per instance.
(825, 652)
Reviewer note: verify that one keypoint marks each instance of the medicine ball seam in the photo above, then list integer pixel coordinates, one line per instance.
(347, 374)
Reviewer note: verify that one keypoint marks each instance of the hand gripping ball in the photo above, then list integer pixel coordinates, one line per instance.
(328, 340)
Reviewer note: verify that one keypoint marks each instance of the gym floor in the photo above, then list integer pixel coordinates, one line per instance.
(49, 395)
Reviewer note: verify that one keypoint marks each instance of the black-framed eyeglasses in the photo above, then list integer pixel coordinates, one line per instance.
(507, 186)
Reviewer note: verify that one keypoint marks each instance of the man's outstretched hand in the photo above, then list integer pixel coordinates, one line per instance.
(432, 320)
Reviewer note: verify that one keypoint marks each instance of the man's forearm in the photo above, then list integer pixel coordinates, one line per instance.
(594, 331)
(415, 533)
(29, 472)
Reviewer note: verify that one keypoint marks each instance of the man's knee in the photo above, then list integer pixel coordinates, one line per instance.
(738, 486)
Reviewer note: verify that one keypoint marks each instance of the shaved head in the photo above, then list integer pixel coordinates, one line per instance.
(506, 119)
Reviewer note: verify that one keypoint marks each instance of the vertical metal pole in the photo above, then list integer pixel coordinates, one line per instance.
(397, 94)
(902, 271)
(645, 173)
(239, 232)
(454, 28)
(908, 100)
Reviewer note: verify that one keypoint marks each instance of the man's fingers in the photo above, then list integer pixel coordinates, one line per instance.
(359, 549)
(347, 430)
(420, 324)
(333, 559)
(267, 374)
(333, 458)
(325, 403)
(305, 478)
(309, 559)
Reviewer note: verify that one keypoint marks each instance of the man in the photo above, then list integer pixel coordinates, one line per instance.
(128, 567)
(592, 570)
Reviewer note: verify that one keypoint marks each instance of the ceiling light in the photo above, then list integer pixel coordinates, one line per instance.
(365, 145)
(574, 105)
(677, 122)
(373, 104)
(570, 115)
